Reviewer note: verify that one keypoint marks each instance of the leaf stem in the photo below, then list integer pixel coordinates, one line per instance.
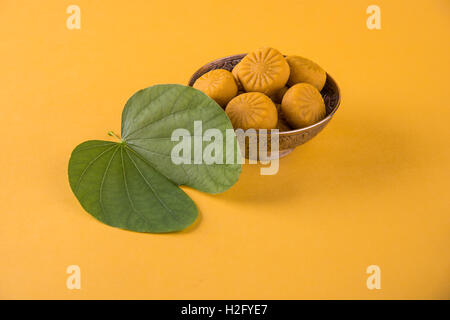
(112, 134)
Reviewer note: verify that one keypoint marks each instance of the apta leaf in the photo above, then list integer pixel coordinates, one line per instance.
(133, 184)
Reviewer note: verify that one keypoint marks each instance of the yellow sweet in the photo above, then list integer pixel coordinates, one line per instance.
(219, 85)
(303, 105)
(264, 70)
(305, 70)
(252, 110)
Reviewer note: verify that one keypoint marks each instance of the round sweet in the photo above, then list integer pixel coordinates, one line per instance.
(219, 85)
(305, 70)
(303, 105)
(252, 110)
(264, 70)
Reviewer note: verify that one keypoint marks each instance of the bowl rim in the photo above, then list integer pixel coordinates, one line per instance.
(290, 132)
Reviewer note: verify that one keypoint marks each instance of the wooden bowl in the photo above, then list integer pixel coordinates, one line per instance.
(288, 140)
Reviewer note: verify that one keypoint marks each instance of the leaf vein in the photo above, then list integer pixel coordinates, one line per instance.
(128, 191)
(152, 189)
(88, 166)
(103, 181)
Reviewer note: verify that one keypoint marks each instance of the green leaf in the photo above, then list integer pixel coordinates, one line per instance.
(134, 184)
(150, 117)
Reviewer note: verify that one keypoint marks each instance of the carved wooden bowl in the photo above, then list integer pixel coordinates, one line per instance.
(288, 140)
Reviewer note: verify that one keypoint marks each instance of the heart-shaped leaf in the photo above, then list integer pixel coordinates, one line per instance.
(133, 184)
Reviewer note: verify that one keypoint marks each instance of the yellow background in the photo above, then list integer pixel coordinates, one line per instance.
(372, 188)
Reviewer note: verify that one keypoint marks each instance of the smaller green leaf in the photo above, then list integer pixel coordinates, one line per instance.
(120, 188)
